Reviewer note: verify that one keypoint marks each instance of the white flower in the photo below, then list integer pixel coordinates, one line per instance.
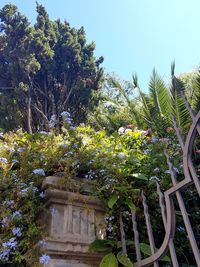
(107, 186)
(70, 153)
(8, 203)
(4, 160)
(52, 121)
(15, 161)
(156, 170)
(109, 227)
(42, 243)
(155, 178)
(10, 149)
(166, 140)
(154, 139)
(40, 172)
(121, 155)
(85, 140)
(42, 195)
(21, 149)
(63, 145)
(147, 151)
(35, 189)
(24, 191)
(128, 131)
(5, 222)
(121, 130)
(65, 114)
(66, 117)
(4, 255)
(109, 104)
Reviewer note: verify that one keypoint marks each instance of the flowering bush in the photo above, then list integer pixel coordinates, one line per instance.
(119, 166)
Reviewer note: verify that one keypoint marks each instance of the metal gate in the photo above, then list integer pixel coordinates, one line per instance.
(166, 202)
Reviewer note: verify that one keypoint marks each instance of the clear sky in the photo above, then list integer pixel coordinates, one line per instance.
(132, 35)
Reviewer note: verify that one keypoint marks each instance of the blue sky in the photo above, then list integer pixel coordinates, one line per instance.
(132, 35)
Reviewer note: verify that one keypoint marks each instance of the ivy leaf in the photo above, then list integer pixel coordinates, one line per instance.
(112, 201)
(124, 259)
(100, 245)
(140, 176)
(130, 203)
(109, 260)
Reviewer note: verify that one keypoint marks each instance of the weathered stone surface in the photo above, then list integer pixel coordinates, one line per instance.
(68, 263)
(72, 223)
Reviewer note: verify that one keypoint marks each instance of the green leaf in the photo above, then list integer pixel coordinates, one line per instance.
(112, 201)
(140, 176)
(166, 258)
(130, 203)
(128, 243)
(145, 248)
(109, 260)
(124, 259)
(100, 245)
(123, 188)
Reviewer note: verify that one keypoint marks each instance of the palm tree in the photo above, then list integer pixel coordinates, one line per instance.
(163, 103)
(119, 106)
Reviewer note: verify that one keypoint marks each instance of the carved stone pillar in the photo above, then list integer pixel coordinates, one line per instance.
(72, 222)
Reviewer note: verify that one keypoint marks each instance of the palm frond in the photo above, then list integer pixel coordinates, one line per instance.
(159, 95)
(179, 109)
(195, 101)
(146, 107)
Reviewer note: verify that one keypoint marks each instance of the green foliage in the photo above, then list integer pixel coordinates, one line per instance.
(52, 61)
(117, 106)
(124, 104)
(117, 167)
(100, 245)
(124, 260)
(105, 161)
(146, 250)
(112, 201)
(109, 261)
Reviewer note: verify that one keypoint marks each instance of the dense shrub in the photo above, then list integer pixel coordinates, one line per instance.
(120, 166)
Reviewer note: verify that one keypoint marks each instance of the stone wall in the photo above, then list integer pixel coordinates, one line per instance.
(72, 222)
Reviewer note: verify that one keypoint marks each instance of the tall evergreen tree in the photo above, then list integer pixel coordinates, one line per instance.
(49, 68)
(17, 61)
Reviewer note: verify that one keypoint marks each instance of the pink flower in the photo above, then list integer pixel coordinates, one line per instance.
(147, 132)
(169, 129)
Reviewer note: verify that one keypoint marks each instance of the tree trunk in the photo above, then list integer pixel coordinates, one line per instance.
(29, 115)
(45, 103)
(29, 126)
(123, 239)
(45, 119)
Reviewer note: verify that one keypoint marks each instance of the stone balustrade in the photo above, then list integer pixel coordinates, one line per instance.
(72, 222)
